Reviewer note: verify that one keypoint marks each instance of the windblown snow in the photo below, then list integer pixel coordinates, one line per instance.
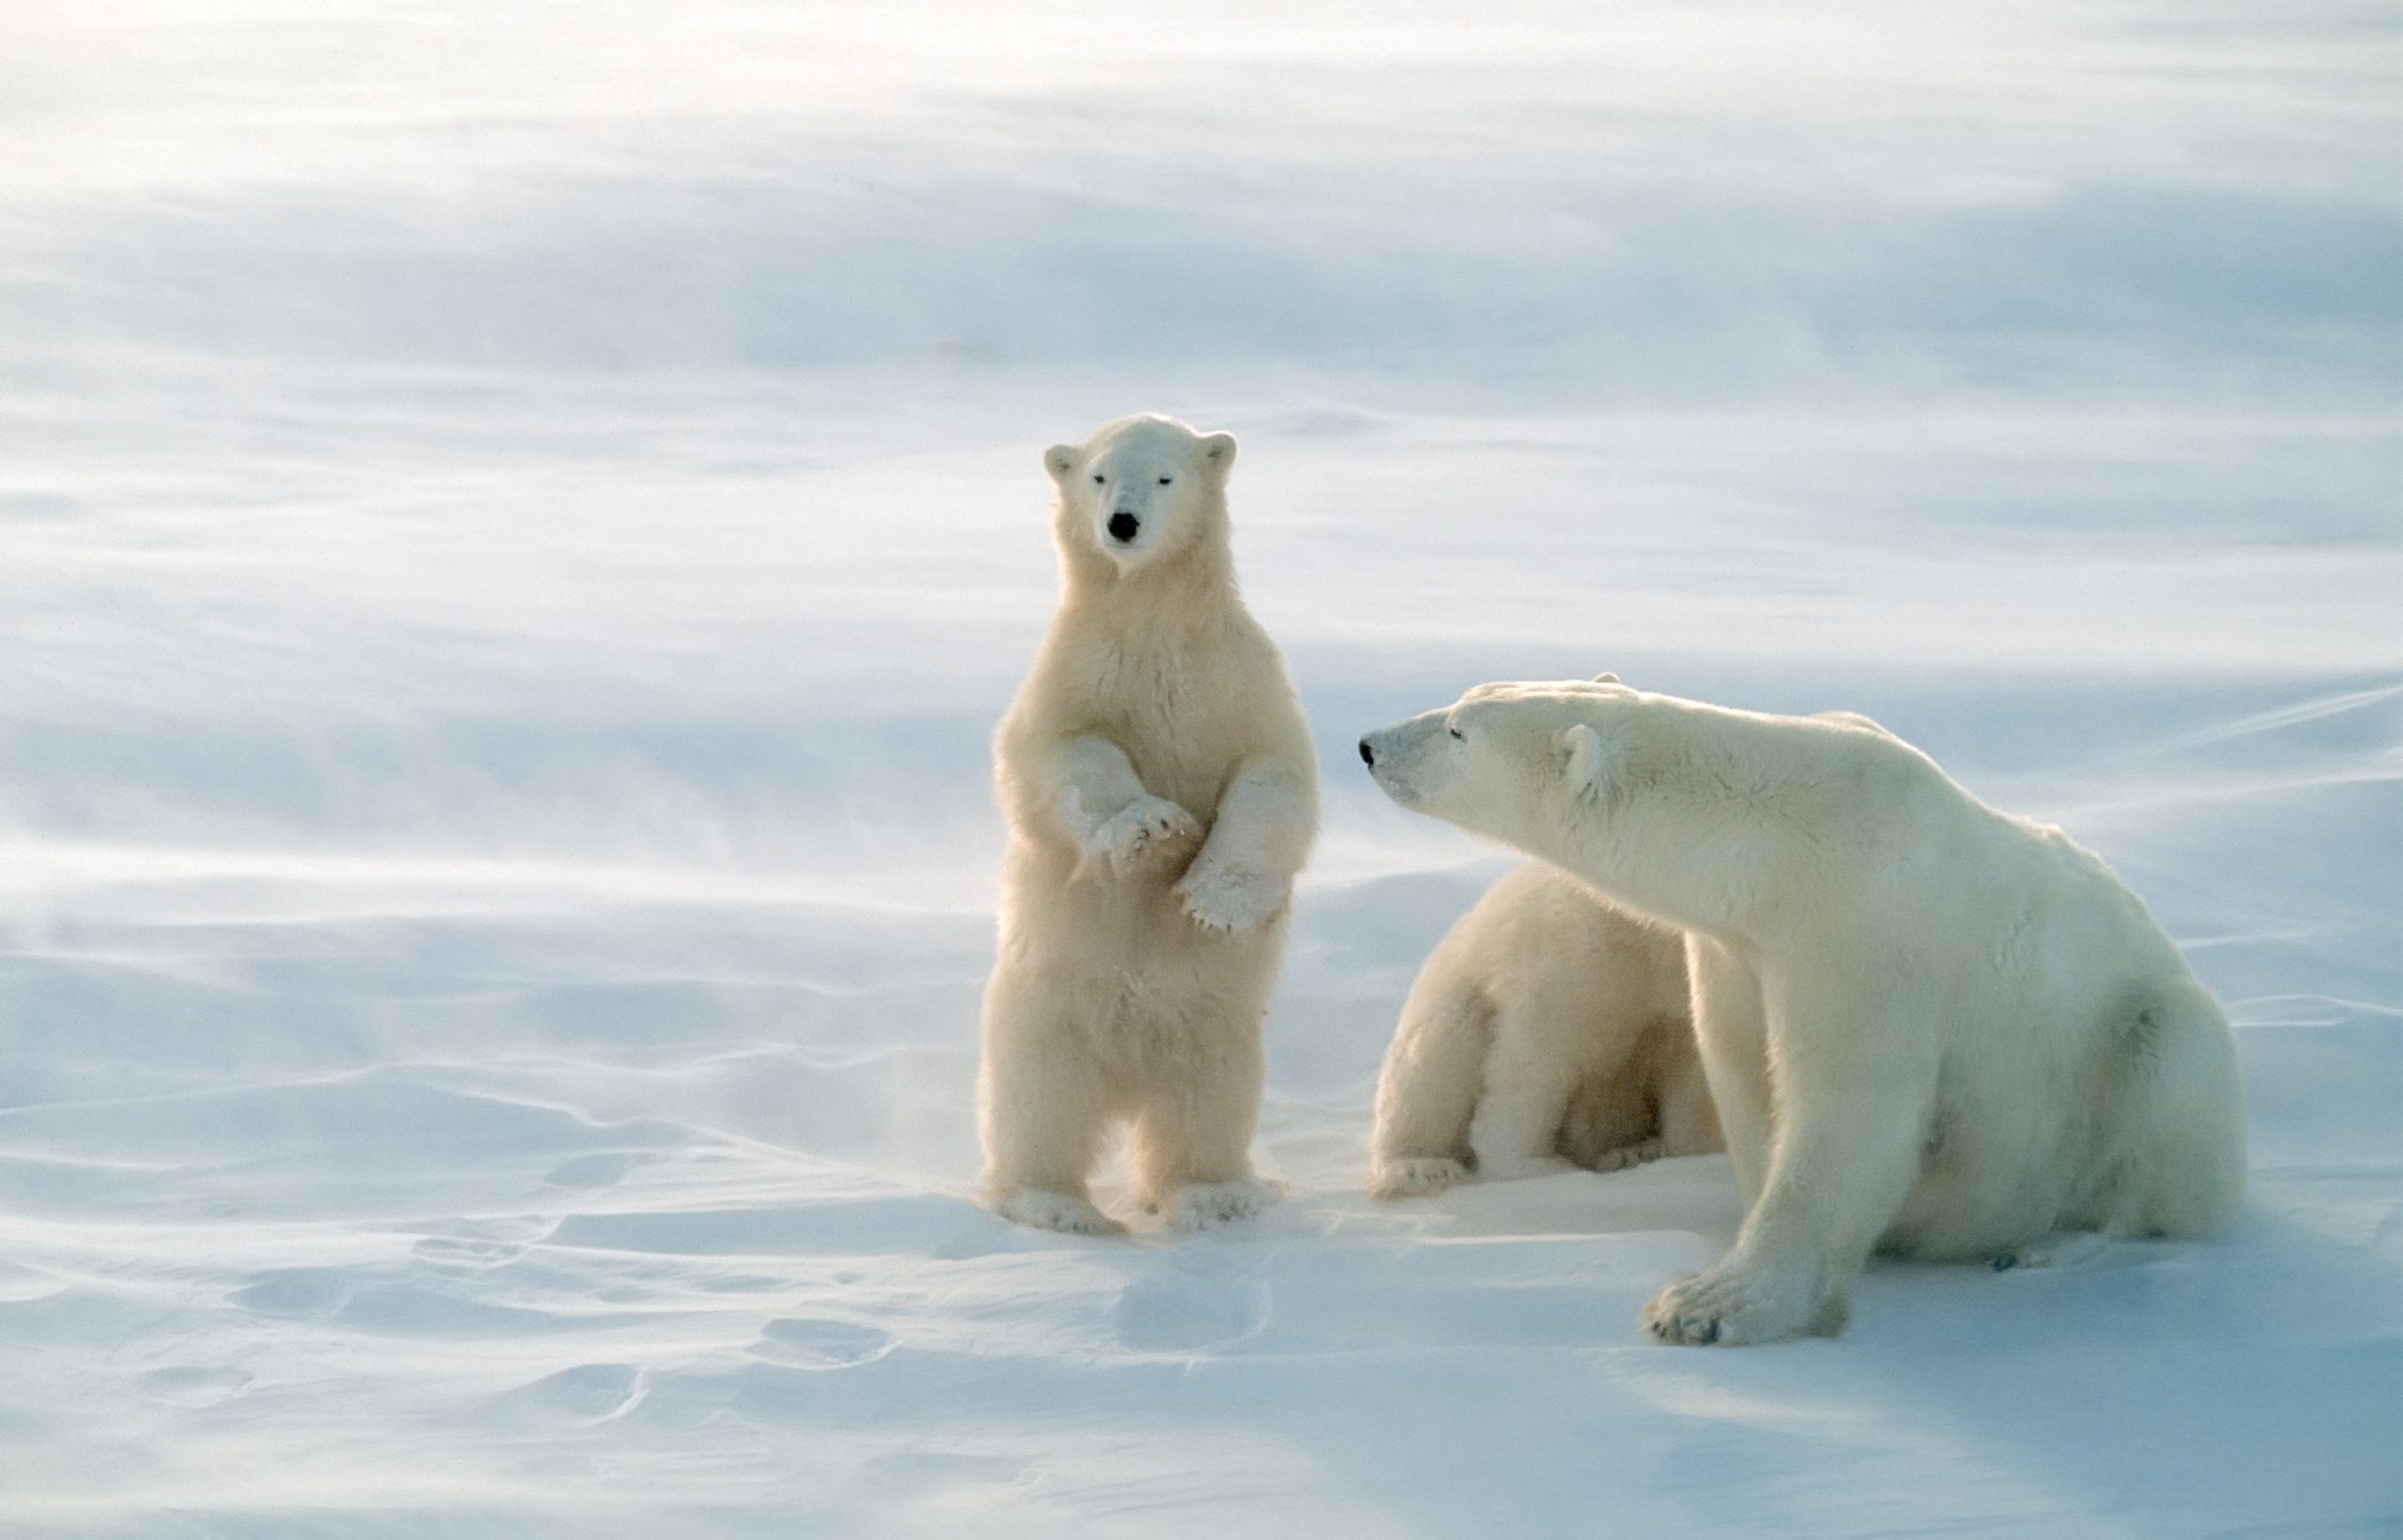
(516, 524)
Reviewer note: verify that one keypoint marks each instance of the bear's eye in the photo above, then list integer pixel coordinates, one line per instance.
(1165, 479)
(1096, 478)
(1462, 736)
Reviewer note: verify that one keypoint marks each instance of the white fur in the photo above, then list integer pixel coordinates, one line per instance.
(1546, 1027)
(1161, 793)
(1929, 1027)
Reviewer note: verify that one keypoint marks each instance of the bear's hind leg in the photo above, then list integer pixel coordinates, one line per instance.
(1191, 1154)
(1042, 1107)
(2180, 1141)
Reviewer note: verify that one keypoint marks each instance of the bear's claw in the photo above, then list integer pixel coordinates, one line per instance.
(1732, 1305)
(1627, 1156)
(1417, 1175)
(1063, 1211)
(1228, 901)
(1142, 831)
(2062, 1249)
(1206, 1205)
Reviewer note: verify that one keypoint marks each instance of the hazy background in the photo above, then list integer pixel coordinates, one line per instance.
(517, 522)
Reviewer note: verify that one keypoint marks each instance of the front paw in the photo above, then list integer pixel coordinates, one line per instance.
(1730, 1305)
(1230, 902)
(1627, 1156)
(1144, 831)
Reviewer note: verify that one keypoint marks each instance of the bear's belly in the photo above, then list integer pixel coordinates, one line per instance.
(1117, 928)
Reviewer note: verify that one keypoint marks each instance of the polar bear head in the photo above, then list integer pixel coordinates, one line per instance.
(1690, 814)
(1141, 489)
(1513, 762)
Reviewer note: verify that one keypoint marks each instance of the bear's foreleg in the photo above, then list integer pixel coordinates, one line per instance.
(1427, 1090)
(1731, 1037)
(1087, 790)
(1855, 1088)
(1528, 1082)
(1259, 838)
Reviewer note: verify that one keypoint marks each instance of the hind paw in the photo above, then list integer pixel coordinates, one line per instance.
(2062, 1249)
(1415, 1176)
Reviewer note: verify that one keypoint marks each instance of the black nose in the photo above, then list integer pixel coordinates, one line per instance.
(1122, 526)
(1367, 754)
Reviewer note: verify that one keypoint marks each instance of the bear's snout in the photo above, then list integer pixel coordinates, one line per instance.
(1122, 526)
(1397, 758)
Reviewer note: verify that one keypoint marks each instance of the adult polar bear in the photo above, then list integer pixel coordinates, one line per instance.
(1161, 792)
(1927, 1025)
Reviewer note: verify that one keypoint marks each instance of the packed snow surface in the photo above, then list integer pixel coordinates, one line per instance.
(517, 522)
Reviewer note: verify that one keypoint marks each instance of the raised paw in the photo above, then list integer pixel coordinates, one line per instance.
(1415, 1176)
(1227, 901)
(1206, 1205)
(1144, 831)
(1061, 1212)
(1729, 1306)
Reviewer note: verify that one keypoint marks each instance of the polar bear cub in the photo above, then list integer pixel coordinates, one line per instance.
(1161, 793)
(1548, 1028)
(1928, 1025)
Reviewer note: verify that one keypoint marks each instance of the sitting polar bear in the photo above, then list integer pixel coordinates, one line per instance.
(1161, 793)
(1547, 1023)
(1928, 1027)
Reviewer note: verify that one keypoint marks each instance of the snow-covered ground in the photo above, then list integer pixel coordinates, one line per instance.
(517, 522)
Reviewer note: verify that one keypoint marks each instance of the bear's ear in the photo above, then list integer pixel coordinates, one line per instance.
(1218, 453)
(1580, 750)
(1605, 678)
(1061, 461)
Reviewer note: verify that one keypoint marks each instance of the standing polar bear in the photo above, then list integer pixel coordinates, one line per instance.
(1548, 1027)
(1161, 793)
(1928, 1025)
